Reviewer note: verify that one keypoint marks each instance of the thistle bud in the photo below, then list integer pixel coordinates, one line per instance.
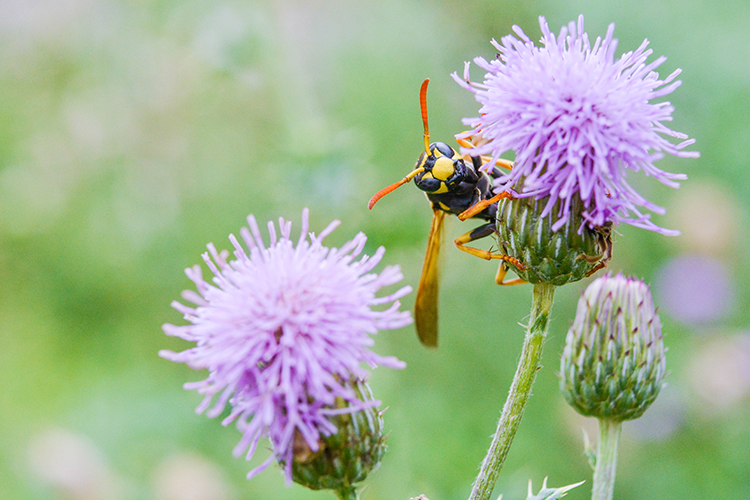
(347, 456)
(551, 247)
(613, 361)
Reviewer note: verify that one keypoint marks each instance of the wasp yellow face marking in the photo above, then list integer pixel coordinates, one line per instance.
(443, 168)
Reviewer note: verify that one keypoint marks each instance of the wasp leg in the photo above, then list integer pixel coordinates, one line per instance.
(466, 143)
(478, 207)
(502, 270)
(605, 245)
(607, 256)
(601, 265)
(500, 162)
(481, 232)
(603, 259)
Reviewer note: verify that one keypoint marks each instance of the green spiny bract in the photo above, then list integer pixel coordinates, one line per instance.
(554, 257)
(613, 363)
(550, 493)
(344, 458)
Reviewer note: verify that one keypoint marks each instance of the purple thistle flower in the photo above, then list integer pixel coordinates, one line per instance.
(577, 120)
(283, 330)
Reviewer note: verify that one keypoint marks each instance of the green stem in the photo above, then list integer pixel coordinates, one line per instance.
(606, 460)
(520, 390)
(347, 493)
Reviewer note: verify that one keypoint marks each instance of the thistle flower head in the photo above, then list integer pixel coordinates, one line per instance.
(578, 120)
(556, 257)
(283, 330)
(613, 362)
(347, 457)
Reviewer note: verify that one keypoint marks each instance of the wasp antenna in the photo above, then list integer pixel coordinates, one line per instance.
(393, 187)
(423, 106)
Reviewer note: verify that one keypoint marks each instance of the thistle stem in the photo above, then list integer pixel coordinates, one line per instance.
(520, 390)
(606, 460)
(345, 493)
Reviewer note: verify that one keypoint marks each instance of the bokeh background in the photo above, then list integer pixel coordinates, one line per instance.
(132, 133)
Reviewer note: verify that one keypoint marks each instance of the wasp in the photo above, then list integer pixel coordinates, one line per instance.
(458, 185)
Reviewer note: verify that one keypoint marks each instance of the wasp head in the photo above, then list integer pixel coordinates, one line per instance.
(444, 169)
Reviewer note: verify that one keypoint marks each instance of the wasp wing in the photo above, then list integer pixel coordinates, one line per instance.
(426, 305)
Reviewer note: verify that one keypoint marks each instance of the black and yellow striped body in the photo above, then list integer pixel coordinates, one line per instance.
(453, 185)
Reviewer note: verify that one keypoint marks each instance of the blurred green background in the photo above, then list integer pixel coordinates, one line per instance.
(132, 133)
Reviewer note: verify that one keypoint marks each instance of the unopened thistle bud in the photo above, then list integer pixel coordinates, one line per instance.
(613, 362)
(347, 456)
(553, 249)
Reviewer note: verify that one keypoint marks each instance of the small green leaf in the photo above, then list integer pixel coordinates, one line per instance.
(550, 493)
(588, 450)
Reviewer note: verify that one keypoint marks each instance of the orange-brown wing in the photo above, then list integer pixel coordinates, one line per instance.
(426, 305)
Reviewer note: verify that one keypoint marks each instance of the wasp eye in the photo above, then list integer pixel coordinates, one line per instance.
(444, 149)
(429, 184)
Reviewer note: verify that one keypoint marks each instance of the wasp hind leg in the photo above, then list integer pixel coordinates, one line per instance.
(481, 232)
(601, 265)
(502, 270)
(603, 260)
(605, 245)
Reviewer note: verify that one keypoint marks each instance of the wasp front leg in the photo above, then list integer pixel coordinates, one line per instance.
(500, 162)
(482, 232)
(483, 204)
